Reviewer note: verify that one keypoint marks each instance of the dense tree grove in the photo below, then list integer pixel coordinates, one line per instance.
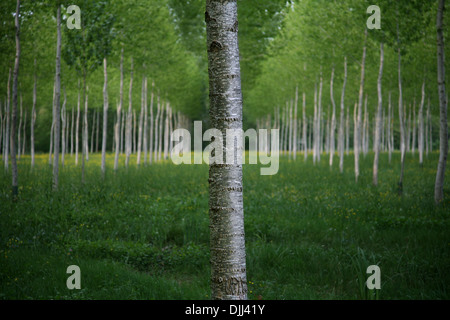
(333, 80)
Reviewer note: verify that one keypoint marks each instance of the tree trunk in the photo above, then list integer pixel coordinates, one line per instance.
(161, 118)
(33, 116)
(19, 140)
(359, 114)
(150, 148)
(24, 141)
(129, 119)
(84, 145)
(365, 143)
(319, 117)
(15, 175)
(315, 123)
(77, 127)
(227, 244)
(443, 130)
(347, 132)
(119, 113)
(376, 143)
(145, 124)
(71, 131)
(105, 115)
(57, 133)
(158, 113)
(333, 120)
(63, 131)
(400, 112)
(389, 128)
(413, 132)
(294, 147)
(8, 122)
(52, 130)
(341, 124)
(305, 128)
(141, 120)
(421, 125)
(94, 119)
(166, 131)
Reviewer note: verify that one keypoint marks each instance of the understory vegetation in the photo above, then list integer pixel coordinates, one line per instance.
(143, 232)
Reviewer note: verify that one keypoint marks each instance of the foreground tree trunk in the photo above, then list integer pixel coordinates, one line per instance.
(15, 174)
(378, 119)
(227, 242)
(443, 130)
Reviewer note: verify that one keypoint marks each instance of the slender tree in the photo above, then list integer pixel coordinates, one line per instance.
(105, 115)
(228, 266)
(119, 113)
(421, 125)
(341, 124)
(378, 118)
(15, 174)
(333, 120)
(443, 129)
(33, 115)
(357, 131)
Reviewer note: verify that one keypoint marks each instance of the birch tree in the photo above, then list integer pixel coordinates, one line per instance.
(227, 244)
(119, 113)
(105, 115)
(378, 118)
(15, 174)
(341, 124)
(357, 131)
(443, 129)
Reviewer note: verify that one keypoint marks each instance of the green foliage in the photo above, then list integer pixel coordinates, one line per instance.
(85, 48)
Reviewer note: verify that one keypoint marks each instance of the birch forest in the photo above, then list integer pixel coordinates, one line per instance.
(348, 98)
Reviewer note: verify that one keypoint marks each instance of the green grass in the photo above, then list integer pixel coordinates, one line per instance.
(142, 233)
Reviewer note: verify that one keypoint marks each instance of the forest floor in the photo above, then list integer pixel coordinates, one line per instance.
(142, 233)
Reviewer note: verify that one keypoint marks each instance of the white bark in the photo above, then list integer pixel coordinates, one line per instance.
(421, 125)
(15, 174)
(117, 130)
(129, 119)
(227, 245)
(378, 118)
(294, 147)
(33, 116)
(443, 129)
(341, 124)
(358, 119)
(105, 115)
(333, 120)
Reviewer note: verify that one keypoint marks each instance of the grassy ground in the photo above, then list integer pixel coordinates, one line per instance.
(142, 233)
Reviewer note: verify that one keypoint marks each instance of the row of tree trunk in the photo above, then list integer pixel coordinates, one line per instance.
(297, 132)
(147, 134)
